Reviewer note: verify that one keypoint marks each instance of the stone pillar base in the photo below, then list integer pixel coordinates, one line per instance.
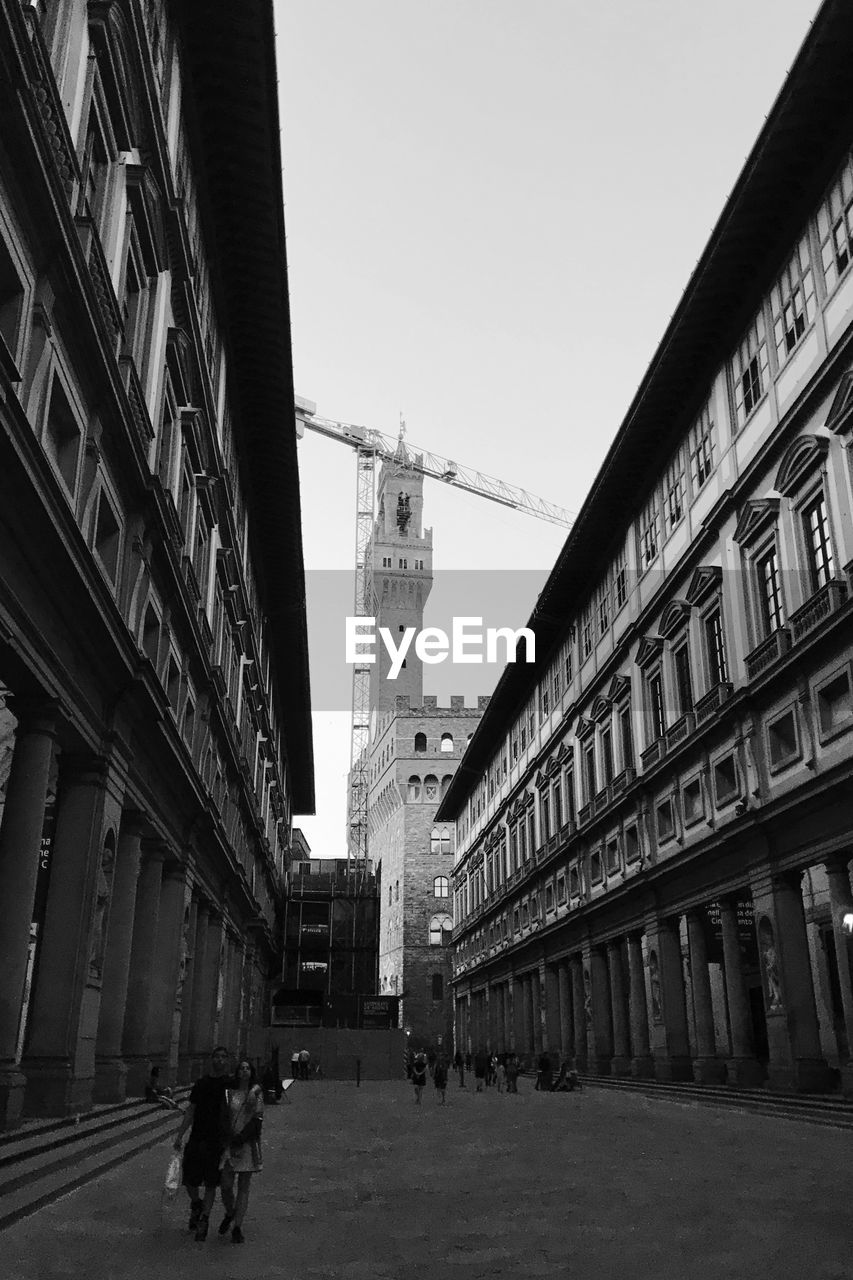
(138, 1072)
(847, 1079)
(579, 1063)
(110, 1080)
(12, 1085)
(746, 1072)
(643, 1068)
(186, 1064)
(673, 1069)
(53, 1089)
(709, 1070)
(600, 1066)
(814, 1075)
(620, 1066)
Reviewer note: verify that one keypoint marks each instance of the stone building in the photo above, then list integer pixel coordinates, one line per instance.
(155, 724)
(415, 748)
(655, 824)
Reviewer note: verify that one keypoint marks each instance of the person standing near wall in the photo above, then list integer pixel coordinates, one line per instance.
(204, 1117)
(419, 1074)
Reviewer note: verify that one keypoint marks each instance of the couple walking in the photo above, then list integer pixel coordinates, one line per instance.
(224, 1147)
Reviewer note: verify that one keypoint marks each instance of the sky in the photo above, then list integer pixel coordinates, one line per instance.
(493, 208)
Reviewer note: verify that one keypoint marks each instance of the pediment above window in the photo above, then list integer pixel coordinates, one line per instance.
(674, 618)
(705, 582)
(755, 519)
(564, 752)
(541, 780)
(600, 709)
(840, 417)
(585, 727)
(649, 651)
(804, 457)
(620, 687)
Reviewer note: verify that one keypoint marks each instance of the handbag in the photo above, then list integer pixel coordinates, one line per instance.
(173, 1176)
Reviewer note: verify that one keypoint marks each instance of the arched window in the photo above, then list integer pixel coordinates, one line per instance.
(414, 789)
(447, 742)
(440, 929)
(437, 986)
(441, 887)
(396, 890)
(440, 841)
(445, 783)
(430, 787)
(420, 744)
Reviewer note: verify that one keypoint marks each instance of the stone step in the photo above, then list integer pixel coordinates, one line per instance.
(28, 1139)
(822, 1109)
(38, 1172)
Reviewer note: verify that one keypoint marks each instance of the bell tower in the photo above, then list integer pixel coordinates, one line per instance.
(402, 577)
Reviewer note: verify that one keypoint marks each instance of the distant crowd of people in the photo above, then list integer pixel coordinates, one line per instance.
(499, 1071)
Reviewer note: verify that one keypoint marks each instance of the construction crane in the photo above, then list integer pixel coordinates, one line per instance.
(371, 446)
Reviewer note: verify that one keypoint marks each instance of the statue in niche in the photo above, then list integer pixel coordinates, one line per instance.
(772, 982)
(654, 982)
(587, 997)
(102, 911)
(404, 512)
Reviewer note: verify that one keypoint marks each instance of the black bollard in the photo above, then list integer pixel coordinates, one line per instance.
(358, 1073)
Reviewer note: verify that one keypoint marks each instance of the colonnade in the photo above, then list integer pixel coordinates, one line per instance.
(649, 1001)
(124, 961)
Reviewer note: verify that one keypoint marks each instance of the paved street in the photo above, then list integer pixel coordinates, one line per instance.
(359, 1183)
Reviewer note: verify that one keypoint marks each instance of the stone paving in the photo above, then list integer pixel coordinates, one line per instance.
(362, 1184)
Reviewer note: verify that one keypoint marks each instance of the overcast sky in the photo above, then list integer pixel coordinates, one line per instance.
(492, 210)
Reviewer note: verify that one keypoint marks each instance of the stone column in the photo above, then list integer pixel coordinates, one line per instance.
(707, 1067)
(641, 1058)
(162, 1040)
(620, 1064)
(564, 1001)
(602, 1026)
(20, 846)
(536, 1010)
(208, 939)
(65, 1006)
(553, 1011)
(110, 1068)
(187, 1001)
(838, 872)
(142, 957)
(676, 1063)
(811, 1072)
(498, 998)
(517, 1001)
(526, 1015)
(743, 1067)
(579, 1013)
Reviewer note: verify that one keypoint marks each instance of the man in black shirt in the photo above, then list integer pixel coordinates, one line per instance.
(205, 1117)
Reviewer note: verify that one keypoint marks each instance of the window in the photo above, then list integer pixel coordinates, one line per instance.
(589, 770)
(725, 780)
(569, 794)
(386, 562)
(396, 890)
(546, 815)
(561, 890)
(596, 869)
(835, 227)
(607, 754)
(574, 883)
(447, 742)
(431, 787)
(792, 301)
(420, 744)
(683, 680)
(834, 705)
(665, 820)
(586, 631)
(557, 805)
(626, 736)
(817, 541)
(700, 447)
(692, 802)
(620, 581)
(603, 608)
(437, 986)
(769, 591)
(649, 533)
(62, 436)
(441, 887)
(390, 895)
(440, 930)
(413, 791)
(440, 840)
(715, 648)
(107, 536)
(557, 684)
(544, 703)
(673, 493)
(568, 664)
(750, 370)
(531, 832)
(783, 739)
(11, 301)
(632, 844)
(151, 634)
(656, 717)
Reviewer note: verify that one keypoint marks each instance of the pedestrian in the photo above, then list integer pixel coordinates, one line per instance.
(158, 1093)
(432, 1058)
(512, 1074)
(304, 1060)
(500, 1076)
(294, 1064)
(204, 1118)
(439, 1077)
(493, 1070)
(468, 1060)
(459, 1064)
(544, 1073)
(481, 1065)
(419, 1074)
(242, 1156)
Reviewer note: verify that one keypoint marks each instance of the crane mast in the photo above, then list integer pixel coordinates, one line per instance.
(369, 446)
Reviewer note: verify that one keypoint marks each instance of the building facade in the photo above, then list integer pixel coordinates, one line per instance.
(415, 748)
(655, 825)
(155, 724)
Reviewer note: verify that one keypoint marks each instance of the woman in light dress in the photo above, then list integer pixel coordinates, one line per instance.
(242, 1155)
